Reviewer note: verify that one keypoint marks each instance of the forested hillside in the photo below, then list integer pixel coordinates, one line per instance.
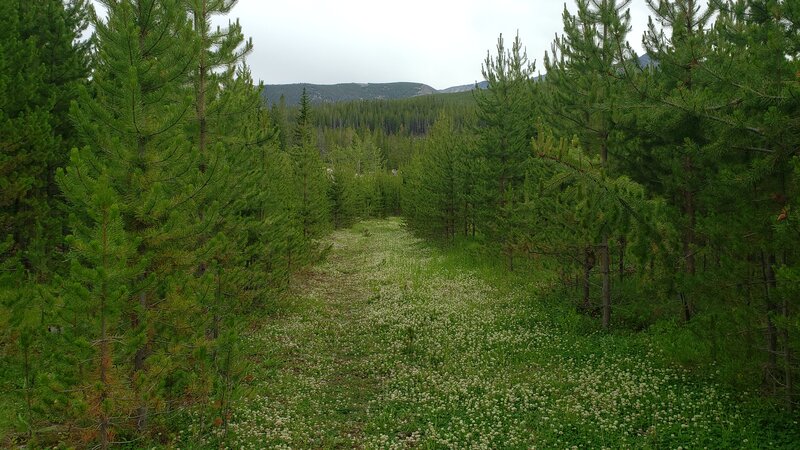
(332, 93)
(184, 264)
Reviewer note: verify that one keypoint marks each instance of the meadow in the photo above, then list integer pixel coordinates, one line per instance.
(391, 343)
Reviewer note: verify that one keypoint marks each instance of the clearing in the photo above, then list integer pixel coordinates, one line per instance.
(391, 343)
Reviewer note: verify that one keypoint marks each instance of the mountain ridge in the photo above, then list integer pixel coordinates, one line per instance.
(342, 92)
(331, 93)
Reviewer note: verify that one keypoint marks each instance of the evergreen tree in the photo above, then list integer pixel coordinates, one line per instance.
(341, 191)
(505, 120)
(42, 66)
(435, 197)
(755, 55)
(134, 128)
(673, 159)
(311, 184)
(102, 272)
(585, 90)
(280, 118)
(224, 125)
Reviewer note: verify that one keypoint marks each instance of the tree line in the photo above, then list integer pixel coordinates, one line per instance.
(665, 191)
(150, 203)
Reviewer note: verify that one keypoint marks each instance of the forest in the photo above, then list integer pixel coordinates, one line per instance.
(591, 251)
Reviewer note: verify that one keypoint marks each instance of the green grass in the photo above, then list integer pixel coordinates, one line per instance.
(390, 343)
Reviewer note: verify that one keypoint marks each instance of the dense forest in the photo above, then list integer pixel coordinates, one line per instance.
(154, 206)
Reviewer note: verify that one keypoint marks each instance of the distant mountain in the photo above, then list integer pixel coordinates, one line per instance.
(330, 93)
(646, 61)
(464, 88)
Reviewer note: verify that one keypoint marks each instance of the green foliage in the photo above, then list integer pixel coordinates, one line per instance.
(436, 200)
(184, 215)
(140, 228)
(311, 185)
(42, 67)
(360, 186)
(505, 128)
(396, 126)
(678, 178)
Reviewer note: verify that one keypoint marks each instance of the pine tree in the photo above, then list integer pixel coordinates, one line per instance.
(673, 158)
(311, 185)
(224, 127)
(40, 37)
(280, 118)
(755, 65)
(42, 65)
(341, 188)
(134, 128)
(99, 287)
(583, 72)
(575, 198)
(436, 195)
(505, 118)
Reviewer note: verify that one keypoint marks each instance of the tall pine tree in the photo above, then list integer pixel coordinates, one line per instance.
(506, 126)
(138, 155)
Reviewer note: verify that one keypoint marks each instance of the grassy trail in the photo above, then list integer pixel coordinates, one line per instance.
(391, 344)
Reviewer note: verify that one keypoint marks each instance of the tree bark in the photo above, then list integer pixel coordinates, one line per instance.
(623, 244)
(138, 367)
(105, 357)
(605, 268)
(772, 334)
(688, 241)
(588, 264)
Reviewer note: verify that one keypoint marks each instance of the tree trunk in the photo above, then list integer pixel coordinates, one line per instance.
(588, 264)
(105, 356)
(605, 268)
(787, 359)
(688, 242)
(772, 333)
(686, 307)
(473, 225)
(141, 353)
(138, 366)
(466, 218)
(623, 244)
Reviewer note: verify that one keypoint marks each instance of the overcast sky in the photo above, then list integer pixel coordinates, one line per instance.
(440, 43)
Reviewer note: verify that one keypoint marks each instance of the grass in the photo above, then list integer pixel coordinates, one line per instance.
(392, 344)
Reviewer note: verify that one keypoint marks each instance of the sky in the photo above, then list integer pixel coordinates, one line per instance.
(439, 43)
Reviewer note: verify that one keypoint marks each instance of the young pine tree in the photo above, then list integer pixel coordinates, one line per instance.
(311, 184)
(584, 96)
(506, 126)
(674, 158)
(436, 195)
(134, 127)
(42, 66)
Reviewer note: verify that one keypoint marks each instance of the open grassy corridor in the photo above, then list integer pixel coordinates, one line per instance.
(392, 344)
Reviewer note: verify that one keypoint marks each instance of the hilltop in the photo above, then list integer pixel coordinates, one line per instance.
(343, 92)
(334, 93)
